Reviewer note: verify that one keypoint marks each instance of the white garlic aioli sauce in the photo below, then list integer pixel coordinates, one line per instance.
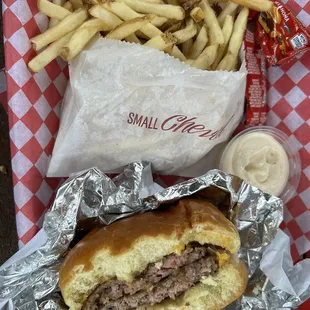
(260, 160)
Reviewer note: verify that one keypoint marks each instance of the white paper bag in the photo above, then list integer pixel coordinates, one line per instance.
(126, 103)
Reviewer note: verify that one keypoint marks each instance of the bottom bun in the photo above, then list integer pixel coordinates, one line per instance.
(215, 293)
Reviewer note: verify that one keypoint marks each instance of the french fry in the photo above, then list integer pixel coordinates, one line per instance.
(227, 31)
(141, 35)
(49, 54)
(161, 42)
(68, 24)
(165, 10)
(206, 58)
(188, 5)
(189, 61)
(187, 33)
(68, 6)
(168, 50)
(200, 25)
(53, 22)
(153, 1)
(199, 44)
(214, 30)
(81, 37)
(256, 5)
(177, 53)
(133, 39)
(235, 65)
(121, 9)
(175, 27)
(59, 2)
(173, 2)
(77, 4)
(102, 13)
(230, 59)
(197, 14)
(99, 24)
(129, 27)
(187, 46)
(150, 30)
(230, 9)
(227, 63)
(52, 10)
(238, 32)
(169, 23)
(216, 1)
(126, 13)
(159, 21)
(111, 20)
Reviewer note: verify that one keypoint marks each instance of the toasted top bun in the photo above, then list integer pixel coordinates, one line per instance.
(123, 249)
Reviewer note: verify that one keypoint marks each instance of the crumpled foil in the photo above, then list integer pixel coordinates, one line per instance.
(91, 198)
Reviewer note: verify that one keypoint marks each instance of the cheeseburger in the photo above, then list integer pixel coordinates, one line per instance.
(178, 257)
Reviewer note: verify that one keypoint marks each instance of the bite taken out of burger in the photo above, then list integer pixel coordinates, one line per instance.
(181, 256)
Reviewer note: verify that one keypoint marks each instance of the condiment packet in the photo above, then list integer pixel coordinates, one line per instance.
(281, 35)
(256, 91)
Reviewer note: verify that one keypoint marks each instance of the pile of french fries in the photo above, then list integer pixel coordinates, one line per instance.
(189, 30)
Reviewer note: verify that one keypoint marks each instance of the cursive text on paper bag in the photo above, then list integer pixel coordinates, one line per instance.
(176, 123)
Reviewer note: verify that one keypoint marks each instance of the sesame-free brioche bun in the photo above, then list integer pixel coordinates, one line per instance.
(125, 248)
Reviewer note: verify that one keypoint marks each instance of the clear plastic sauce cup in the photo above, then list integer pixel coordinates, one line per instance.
(292, 165)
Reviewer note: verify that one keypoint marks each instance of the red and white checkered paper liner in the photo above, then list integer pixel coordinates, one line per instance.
(34, 104)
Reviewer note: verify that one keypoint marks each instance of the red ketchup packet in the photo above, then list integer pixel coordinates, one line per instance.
(253, 15)
(281, 35)
(256, 92)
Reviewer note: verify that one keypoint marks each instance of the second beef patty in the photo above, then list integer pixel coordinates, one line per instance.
(175, 275)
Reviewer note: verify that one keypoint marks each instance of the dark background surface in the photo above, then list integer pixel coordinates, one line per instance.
(8, 235)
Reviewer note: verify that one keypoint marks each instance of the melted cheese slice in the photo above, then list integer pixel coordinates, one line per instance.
(223, 258)
(178, 249)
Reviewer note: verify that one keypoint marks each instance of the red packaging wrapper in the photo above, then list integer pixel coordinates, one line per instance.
(281, 35)
(253, 15)
(256, 91)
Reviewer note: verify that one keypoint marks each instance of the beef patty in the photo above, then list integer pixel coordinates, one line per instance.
(168, 279)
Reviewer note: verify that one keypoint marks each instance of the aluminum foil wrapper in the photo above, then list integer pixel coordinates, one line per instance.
(91, 198)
